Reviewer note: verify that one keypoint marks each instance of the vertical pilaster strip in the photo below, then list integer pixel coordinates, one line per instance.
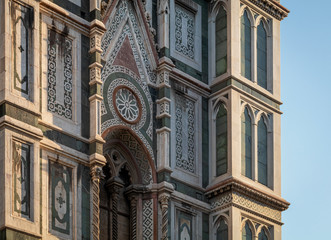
(163, 20)
(163, 114)
(97, 160)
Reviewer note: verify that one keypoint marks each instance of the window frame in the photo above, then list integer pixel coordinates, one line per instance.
(255, 22)
(256, 115)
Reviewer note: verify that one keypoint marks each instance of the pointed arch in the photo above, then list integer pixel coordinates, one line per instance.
(221, 140)
(248, 230)
(262, 151)
(221, 40)
(263, 233)
(262, 48)
(136, 147)
(246, 144)
(222, 230)
(246, 45)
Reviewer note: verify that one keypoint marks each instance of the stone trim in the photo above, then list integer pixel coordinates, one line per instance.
(244, 190)
(271, 7)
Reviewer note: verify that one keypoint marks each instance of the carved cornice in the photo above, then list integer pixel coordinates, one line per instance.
(237, 186)
(271, 7)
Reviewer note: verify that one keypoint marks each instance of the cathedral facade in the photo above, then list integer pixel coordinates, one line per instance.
(140, 119)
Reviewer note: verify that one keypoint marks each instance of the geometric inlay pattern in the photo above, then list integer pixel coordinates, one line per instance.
(185, 133)
(127, 104)
(59, 74)
(148, 219)
(60, 197)
(184, 31)
(126, 12)
(248, 204)
(21, 179)
(22, 46)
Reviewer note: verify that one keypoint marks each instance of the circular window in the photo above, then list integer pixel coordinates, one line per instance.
(127, 104)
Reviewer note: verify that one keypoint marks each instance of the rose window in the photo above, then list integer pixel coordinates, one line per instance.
(127, 104)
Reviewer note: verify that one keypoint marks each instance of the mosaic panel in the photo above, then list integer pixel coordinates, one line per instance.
(21, 179)
(184, 31)
(22, 25)
(148, 219)
(59, 75)
(185, 133)
(60, 197)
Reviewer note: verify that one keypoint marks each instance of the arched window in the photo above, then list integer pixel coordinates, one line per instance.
(246, 48)
(246, 144)
(221, 42)
(261, 56)
(221, 141)
(222, 231)
(247, 233)
(262, 150)
(263, 235)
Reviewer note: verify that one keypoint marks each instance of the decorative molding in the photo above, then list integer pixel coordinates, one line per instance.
(247, 204)
(234, 185)
(163, 107)
(271, 7)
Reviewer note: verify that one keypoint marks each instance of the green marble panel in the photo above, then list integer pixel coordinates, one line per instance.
(61, 203)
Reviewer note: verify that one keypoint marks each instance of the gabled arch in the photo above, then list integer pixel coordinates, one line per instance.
(139, 8)
(130, 19)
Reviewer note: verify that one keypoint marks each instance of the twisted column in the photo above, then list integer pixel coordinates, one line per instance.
(96, 173)
(133, 218)
(164, 201)
(114, 185)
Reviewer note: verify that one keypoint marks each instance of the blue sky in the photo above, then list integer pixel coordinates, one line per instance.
(306, 132)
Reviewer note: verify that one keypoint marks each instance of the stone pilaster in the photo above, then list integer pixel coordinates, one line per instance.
(97, 160)
(163, 23)
(164, 115)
